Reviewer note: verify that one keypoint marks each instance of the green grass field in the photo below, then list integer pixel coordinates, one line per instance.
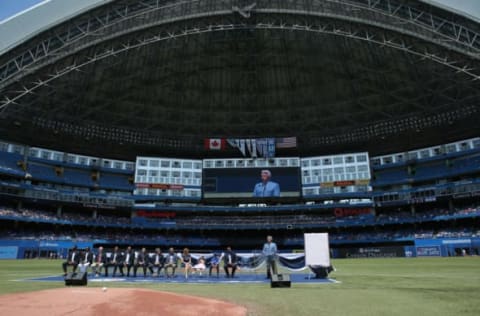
(406, 287)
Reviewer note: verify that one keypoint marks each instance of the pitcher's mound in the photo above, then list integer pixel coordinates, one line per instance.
(113, 301)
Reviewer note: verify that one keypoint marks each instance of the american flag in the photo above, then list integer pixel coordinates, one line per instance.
(286, 142)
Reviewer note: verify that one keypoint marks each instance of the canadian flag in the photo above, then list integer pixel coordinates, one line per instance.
(215, 143)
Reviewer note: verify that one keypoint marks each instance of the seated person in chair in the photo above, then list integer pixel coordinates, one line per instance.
(156, 262)
(200, 266)
(72, 260)
(86, 260)
(187, 261)
(141, 261)
(99, 261)
(229, 262)
(115, 261)
(128, 260)
(170, 263)
(214, 264)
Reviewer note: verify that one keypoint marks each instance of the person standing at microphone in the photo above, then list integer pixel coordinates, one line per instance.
(270, 253)
(266, 188)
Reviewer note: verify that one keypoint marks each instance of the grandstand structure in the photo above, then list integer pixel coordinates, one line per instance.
(105, 108)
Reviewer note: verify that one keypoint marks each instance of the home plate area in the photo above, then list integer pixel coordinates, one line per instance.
(193, 279)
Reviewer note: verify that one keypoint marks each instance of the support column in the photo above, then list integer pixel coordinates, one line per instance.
(451, 207)
(26, 151)
(59, 211)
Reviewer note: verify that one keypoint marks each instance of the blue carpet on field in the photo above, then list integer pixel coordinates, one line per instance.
(195, 279)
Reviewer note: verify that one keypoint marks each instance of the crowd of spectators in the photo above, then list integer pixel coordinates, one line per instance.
(199, 240)
(26, 213)
(251, 220)
(65, 217)
(108, 237)
(389, 235)
(254, 220)
(426, 215)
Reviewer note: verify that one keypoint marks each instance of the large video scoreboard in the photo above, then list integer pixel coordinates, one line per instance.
(242, 178)
(247, 178)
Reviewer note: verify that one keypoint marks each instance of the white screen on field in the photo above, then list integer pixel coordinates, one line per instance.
(317, 250)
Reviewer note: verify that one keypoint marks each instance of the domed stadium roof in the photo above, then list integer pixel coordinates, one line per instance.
(157, 76)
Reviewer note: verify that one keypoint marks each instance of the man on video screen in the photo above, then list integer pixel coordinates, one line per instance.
(266, 188)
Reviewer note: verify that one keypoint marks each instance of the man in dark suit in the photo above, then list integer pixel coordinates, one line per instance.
(229, 262)
(170, 262)
(72, 260)
(141, 261)
(86, 260)
(128, 260)
(114, 260)
(156, 261)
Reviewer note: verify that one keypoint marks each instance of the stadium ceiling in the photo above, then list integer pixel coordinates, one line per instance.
(154, 76)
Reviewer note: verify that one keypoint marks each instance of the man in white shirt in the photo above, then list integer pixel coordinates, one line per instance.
(86, 260)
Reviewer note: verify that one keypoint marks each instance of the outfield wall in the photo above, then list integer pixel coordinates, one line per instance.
(446, 247)
(28, 249)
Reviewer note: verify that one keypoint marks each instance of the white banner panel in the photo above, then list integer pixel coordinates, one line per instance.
(317, 250)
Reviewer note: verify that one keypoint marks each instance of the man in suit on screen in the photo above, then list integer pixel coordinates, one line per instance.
(266, 188)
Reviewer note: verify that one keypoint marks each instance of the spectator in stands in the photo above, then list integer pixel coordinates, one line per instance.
(266, 188)
(214, 264)
(156, 262)
(72, 260)
(170, 263)
(99, 261)
(229, 262)
(128, 260)
(86, 260)
(187, 261)
(270, 253)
